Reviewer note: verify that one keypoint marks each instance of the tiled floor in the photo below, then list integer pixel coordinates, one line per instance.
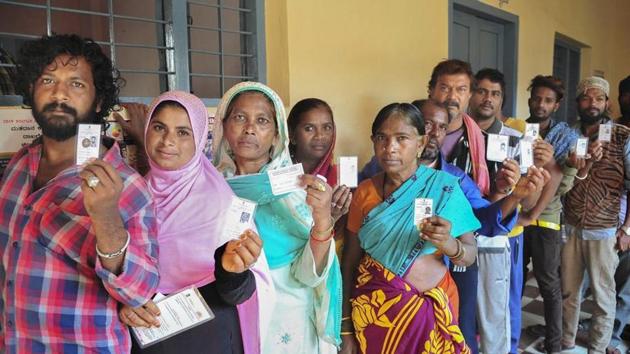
(533, 314)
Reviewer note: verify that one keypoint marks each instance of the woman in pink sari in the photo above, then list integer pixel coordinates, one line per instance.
(191, 197)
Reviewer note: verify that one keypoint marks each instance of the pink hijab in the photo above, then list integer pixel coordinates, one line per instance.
(190, 203)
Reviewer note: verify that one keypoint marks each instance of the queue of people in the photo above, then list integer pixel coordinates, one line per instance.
(323, 268)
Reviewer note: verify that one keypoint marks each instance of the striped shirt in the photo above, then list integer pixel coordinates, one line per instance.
(56, 295)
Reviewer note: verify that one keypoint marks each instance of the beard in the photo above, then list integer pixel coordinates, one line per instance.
(589, 118)
(60, 128)
(431, 151)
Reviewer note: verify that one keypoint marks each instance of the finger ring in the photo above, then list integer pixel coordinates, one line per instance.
(321, 187)
(93, 181)
(334, 205)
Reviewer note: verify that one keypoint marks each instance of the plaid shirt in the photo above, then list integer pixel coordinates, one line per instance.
(56, 295)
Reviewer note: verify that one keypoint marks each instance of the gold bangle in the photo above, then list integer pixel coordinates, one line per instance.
(457, 259)
(326, 232)
(346, 318)
(459, 249)
(347, 333)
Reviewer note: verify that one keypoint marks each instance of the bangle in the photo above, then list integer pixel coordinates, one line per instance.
(330, 236)
(347, 333)
(581, 178)
(346, 318)
(460, 251)
(117, 253)
(462, 255)
(328, 233)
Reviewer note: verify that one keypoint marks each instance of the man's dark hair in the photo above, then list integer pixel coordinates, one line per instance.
(451, 67)
(36, 55)
(550, 82)
(624, 85)
(494, 76)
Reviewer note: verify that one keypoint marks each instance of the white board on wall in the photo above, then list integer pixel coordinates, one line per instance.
(17, 129)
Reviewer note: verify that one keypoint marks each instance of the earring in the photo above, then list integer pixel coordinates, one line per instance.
(419, 153)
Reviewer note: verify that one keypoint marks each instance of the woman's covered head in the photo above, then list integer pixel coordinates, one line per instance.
(177, 129)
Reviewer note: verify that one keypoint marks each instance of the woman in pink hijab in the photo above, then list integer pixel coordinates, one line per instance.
(191, 197)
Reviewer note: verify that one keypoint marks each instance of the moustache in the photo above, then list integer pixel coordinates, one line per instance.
(60, 106)
(450, 103)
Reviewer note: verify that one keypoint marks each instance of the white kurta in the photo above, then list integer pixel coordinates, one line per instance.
(293, 323)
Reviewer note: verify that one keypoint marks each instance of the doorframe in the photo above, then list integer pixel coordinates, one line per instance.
(510, 21)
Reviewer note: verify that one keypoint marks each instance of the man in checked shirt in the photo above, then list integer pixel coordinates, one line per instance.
(74, 240)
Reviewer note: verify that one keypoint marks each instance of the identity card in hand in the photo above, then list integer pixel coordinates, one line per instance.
(178, 312)
(348, 166)
(238, 217)
(527, 153)
(605, 132)
(581, 147)
(285, 179)
(497, 147)
(423, 208)
(88, 142)
(532, 130)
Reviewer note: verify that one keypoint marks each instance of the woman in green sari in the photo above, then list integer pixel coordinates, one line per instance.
(251, 139)
(399, 292)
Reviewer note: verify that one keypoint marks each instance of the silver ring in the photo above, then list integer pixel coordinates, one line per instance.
(93, 181)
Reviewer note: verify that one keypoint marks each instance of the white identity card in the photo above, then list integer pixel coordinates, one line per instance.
(497, 147)
(605, 132)
(238, 217)
(532, 130)
(581, 147)
(527, 153)
(348, 169)
(423, 208)
(88, 142)
(178, 312)
(285, 179)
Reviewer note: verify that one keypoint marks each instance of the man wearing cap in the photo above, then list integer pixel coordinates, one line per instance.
(622, 275)
(591, 211)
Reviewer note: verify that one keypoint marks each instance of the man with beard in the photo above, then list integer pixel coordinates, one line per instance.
(501, 256)
(542, 231)
(591, 210)
(74, 240)
(622, 274)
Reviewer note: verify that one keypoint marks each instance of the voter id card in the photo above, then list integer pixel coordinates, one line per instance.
(605, 132)
(497, 149)
(286, 179)
(532, 130)
(527, 153)
(348, 171)
(88, 142)
(423, 208)
(581, 147)
(238, 217)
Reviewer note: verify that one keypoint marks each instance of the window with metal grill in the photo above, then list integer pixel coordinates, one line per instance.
(199, 46)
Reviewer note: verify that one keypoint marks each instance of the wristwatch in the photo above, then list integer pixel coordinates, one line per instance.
(626, 230)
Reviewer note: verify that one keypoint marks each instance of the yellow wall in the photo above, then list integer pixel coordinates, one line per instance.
(361, 55)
